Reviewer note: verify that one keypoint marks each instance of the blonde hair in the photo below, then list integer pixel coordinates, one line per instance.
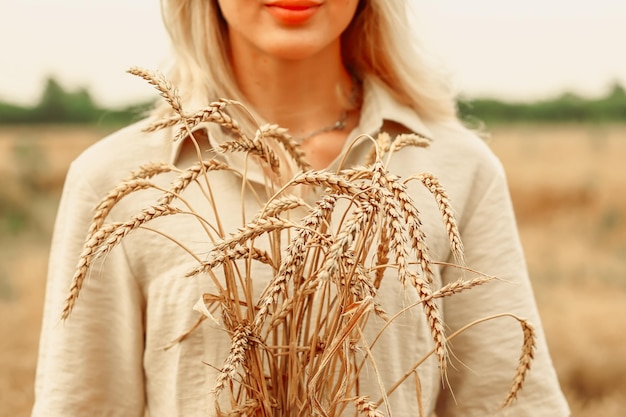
(375, 44)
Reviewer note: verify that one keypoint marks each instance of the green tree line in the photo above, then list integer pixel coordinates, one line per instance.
(57, 105)
(60, 106)
(565, 108)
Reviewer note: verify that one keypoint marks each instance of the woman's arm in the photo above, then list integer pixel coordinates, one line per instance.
(485, 357)
(91, 363)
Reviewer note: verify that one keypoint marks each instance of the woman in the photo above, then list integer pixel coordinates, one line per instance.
(328, 71)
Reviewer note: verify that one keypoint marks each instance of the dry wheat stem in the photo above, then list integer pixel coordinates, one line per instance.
(344, 239)
(381, 385)
(308, 288)
(380, 147)
(175, 241)
(247, 409)
(354, 317)
(295, 255)
(361, 286)
(382, 256)
(524, 362)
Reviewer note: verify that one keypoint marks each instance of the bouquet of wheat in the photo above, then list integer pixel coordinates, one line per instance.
(298, 347)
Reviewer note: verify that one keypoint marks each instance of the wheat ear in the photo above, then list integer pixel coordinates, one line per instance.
(447, 213)
(163, 86)
(84, 263)
(293, 148)
(526, 357)
(242, 337)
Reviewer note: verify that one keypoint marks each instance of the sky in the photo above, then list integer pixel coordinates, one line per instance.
(506, 49)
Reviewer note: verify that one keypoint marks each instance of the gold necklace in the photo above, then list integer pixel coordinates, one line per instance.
(340, 124)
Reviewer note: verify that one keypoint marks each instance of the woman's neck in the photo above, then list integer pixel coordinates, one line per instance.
(303, 96)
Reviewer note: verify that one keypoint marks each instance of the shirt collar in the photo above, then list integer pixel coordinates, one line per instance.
(378, 106)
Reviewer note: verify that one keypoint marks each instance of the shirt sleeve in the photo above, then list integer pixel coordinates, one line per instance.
(91, 363)
(485, 357)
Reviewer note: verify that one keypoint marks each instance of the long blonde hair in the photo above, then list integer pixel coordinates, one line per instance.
(377, 43)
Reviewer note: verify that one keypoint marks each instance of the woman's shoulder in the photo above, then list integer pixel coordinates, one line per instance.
(464, 148)
(116, 155)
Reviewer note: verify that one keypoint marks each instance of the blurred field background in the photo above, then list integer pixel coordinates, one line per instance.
(567, 182)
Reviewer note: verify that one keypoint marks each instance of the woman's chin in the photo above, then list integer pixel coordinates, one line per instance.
(293, 51)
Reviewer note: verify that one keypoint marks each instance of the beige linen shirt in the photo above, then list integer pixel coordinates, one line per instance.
(108, 358)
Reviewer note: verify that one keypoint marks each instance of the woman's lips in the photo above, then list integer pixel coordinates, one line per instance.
(292, 12)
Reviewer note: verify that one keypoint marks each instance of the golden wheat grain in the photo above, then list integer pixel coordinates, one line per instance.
(434, 321)
(414, 225)
(256, 148)
(238, 252)
(189, 175)
(213, 113)
(293, 148)
(151, 169)
(526, 357)
(409, 139)
(366, 407)
(361, 284)
(165, 88)
(144, 216)
(328, 180)
(460, 285)
(279, 205)
(432, 184)
(250, 231)
(344, 239)
(382, 255)
(113, 197)
(87, 255)
(398, 242)
(242, 337)
(294, 258)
